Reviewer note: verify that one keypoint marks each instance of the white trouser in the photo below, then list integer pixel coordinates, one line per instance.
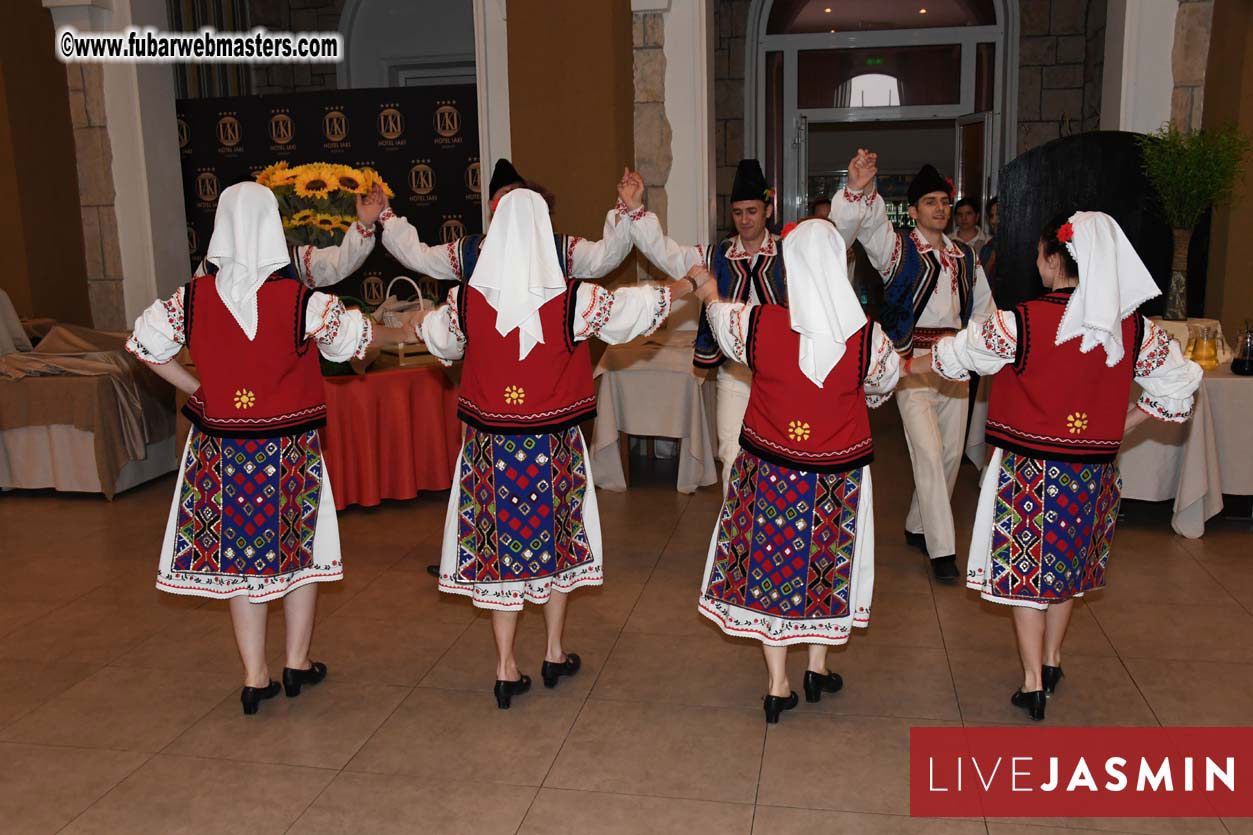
(934, 413)
(735, 382)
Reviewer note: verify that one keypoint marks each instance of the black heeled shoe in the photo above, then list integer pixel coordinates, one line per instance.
(1032, 702)
(1050, 676)
(551, 671)
(818, 683)
(293, 680)
(506, 690)
(774, 705)
(250, 697)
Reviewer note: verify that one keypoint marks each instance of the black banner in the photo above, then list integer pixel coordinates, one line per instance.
(423, 141)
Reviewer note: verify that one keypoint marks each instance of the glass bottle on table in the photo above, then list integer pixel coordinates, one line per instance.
(1243, 362)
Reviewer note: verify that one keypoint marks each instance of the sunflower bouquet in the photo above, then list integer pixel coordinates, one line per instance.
(317, 201)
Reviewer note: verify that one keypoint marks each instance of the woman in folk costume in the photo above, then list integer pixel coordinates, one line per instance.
(253, 518)
(792, 558)
(523, 526)
(1057, 412)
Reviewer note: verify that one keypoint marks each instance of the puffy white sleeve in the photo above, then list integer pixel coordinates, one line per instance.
(867, 215)
(671, 258)
(884, 370)
(729, 323)
(620, 315)
(1169, 381)
(401, 240)
(322, 266)
(982, 347)
(158, 333)
(593, 259)
(341, 334)
(441, 331)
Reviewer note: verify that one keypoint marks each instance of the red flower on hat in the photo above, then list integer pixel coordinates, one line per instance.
(1066, 233)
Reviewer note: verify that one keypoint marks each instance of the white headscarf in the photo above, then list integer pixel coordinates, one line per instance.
(247, 246)
(517, 271)
(823, 308)
(1113, 283)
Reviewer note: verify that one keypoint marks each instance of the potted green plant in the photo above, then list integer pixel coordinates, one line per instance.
(1192, 171)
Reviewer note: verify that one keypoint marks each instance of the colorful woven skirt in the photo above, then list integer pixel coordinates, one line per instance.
(522, 520)
(250, 516)
(1043, 529)
(791, 561)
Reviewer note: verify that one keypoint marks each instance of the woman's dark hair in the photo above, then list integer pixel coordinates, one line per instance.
(548, 196)
(966, 201)
(1053, 246)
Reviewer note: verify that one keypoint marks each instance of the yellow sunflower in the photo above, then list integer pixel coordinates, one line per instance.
(272, 175)
(351, 180)
(302, 217)
(327, 223)
(372, 177)
(314, 181)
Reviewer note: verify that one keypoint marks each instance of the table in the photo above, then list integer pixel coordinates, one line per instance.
(390, 434)
(1192, 464)
(648, 387)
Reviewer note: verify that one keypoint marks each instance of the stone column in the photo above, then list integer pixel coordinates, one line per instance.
(653, 154)
(1187, 62)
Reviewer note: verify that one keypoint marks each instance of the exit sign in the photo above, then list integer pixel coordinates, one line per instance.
(874, 62)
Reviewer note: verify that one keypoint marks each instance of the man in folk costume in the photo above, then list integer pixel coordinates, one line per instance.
(522, 524)
(792, 557)
(253, 518)
(455, 260)
(322, 266)
(932, 286)
(748, 269)
(1057, 413)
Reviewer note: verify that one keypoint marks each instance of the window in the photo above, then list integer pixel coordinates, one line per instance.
(905, 75)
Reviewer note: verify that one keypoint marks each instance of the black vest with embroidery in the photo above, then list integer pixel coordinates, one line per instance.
(735, 276)
(906, 293)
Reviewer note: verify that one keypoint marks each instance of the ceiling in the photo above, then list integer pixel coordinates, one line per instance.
(797, 16)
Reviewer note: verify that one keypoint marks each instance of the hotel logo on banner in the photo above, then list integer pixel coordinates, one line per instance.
(422, 182)
(451, 229)
(184, 136)
(207, 188)
(282, 130)
(229, 132)
(447, 122)
(372, 289)
(335, 129)
(193, 242)
(474, 180)
(391, 126)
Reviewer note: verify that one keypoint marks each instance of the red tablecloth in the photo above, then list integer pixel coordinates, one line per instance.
(390, 434)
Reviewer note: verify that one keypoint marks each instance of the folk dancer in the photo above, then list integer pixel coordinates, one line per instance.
(522, 524)
(253, 518)
(748, 269)
(933, 286)
(1057, 413)
(792, 557)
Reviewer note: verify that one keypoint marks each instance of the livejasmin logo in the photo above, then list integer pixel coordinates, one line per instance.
(1081, 772)
(1022, 774)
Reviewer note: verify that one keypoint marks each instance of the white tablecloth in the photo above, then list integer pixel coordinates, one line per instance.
(1192, 463)
(648, 387)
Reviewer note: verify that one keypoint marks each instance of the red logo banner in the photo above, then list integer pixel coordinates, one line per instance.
(1081, 772)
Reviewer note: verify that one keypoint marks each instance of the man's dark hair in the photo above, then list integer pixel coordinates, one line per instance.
(821, 201)
(966, 201)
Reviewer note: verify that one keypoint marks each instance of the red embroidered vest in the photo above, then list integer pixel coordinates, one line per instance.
(794, 423)
(1055, 402)
(262, 388)
(550, 390)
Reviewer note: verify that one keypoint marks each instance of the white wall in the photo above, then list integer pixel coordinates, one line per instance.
(380, 33)
(1138, 79)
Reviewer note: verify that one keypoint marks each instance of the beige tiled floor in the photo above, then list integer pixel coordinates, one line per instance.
(119, 709)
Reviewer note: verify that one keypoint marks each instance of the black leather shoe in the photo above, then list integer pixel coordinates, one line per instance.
(818, 683)
(774, 705)
(433, 570)
(293, 680)
(945, 568)
(1050, 676)
(551, 671)
(917, 540)
(250, 697)
(1032, 702)
(506, 690)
